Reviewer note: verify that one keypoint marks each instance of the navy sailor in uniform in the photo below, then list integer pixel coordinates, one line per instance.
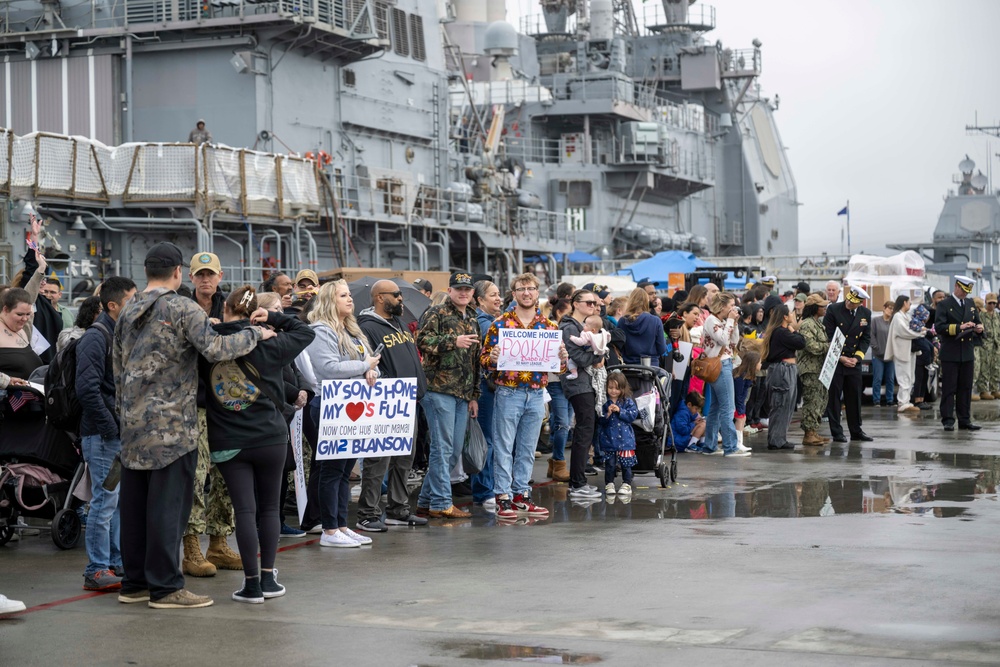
(854, 322)
(958, 326)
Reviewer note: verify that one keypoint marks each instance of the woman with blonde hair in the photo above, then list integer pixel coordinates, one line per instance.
(643, 331)
(719, 338)
(340, 352)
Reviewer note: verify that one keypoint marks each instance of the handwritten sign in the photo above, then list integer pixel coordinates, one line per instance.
(295, 430)
(534, 350)
(832, 358)
(358, 421)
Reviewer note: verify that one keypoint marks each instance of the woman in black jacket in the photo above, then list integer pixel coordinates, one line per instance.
(248, 436)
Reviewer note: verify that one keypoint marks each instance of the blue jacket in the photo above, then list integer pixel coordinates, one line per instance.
(485, 321)
(681, 425)
(95, 381)
(643, 338)
(616, 432)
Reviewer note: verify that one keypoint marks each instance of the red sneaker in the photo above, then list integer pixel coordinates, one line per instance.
(505, 511)
(523, 505)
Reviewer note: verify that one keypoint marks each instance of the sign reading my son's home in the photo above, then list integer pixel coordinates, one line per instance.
(358, 421)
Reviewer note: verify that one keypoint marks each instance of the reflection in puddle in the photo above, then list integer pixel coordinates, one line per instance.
(519, 653)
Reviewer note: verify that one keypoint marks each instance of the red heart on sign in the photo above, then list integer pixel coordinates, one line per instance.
(355, 410)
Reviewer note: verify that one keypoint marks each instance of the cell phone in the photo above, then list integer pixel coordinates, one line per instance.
(379, 350)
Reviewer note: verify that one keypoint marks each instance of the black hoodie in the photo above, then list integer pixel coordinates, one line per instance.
(240, 411)
(400, 358)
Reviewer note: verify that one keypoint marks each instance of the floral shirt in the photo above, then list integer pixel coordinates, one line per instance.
(719, 338)
(509, 320)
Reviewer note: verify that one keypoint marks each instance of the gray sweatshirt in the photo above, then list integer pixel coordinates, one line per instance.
(880, 333)
(328, 362)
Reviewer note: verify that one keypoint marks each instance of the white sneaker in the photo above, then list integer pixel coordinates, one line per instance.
(355, 492)
(765, 422)
(743, 448)
(8, 606)
(626, 490)
(338, 539)
(749, 430)
(610, 489)
(584, 492)
(737, 453)
(490, 504)
(315, 530)
(360, 539)
(715, 452)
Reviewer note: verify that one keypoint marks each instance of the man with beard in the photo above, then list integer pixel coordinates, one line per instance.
(382, 326)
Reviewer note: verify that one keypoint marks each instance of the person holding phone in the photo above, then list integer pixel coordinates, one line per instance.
(398, 358)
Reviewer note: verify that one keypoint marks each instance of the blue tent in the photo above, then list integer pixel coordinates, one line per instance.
(659, 267)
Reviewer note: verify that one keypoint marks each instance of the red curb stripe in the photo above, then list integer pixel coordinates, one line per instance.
(49, 605)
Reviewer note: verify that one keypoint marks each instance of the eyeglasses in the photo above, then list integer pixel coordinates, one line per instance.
(395, 294)
(521, 290)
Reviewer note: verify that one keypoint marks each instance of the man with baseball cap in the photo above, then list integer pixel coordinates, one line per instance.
(854, 322)
(206, 274)
(424, 286)
(157, 341)
(958, 326)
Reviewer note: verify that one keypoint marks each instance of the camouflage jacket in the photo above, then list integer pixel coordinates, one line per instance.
(991, 329)
(157, 341)
(450, 369)
(810, 359)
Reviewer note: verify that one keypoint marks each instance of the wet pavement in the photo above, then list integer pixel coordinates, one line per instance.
(879, 551)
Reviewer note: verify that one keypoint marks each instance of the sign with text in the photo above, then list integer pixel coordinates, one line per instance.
(358, 421)
(832, 358)
(534, 350)
(295, 431)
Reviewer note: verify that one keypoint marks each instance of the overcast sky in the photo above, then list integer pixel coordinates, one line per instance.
(875, 97)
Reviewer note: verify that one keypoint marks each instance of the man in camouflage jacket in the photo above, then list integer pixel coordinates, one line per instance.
(810, 362)
(157, 342)
(988, 356)
(449, 343)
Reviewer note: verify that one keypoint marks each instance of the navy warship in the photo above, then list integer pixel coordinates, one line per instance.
(399, 135)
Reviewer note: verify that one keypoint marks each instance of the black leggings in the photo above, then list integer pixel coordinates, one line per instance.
(258, 468)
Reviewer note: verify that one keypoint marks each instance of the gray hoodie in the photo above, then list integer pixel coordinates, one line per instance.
(327, 359)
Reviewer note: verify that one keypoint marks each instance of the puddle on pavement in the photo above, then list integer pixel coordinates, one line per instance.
(519, 653)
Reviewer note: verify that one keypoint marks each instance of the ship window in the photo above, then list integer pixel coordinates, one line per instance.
(382, 20)
(417, 35)
(578, 194)
(350, 79)
(400, 36)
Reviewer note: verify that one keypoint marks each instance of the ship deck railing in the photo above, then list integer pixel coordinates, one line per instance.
(236, 181)
(700, 18)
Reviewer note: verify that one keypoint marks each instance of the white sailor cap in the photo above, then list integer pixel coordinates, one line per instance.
(855, 294)
(769, 280)
(965, 282)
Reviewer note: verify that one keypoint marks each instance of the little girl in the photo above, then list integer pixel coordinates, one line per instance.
(616, 435)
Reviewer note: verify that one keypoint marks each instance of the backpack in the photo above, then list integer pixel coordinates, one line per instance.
(62, 407)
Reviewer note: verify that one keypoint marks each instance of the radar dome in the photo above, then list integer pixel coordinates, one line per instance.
(979, 181)
(967, 165)
(500, 39)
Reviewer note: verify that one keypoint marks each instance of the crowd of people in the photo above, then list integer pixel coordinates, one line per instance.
(197, 389)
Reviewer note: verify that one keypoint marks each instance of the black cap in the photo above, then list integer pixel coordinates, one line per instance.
(803, 287)
(423, 285)
(600, 290)
(164, 255)
(461, 280)
(478, 277)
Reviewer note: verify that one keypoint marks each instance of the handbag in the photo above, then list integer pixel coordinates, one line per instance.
(707, 368)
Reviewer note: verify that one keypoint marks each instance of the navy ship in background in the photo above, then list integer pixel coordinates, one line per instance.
(419, 135)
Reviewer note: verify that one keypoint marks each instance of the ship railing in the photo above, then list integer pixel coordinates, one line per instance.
(535, 24)
(231, 180)
(740, 62)
(700, 18)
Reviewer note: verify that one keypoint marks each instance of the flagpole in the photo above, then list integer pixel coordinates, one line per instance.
(848, 226)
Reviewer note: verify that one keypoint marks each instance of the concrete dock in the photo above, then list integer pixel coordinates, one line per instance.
(872, 553)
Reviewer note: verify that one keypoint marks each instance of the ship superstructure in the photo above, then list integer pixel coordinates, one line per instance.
(439, 137)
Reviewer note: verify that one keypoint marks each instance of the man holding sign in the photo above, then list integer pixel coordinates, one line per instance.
(522, 347)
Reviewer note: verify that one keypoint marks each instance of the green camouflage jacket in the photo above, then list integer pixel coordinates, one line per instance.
(810, 359)
(991, 329)
(157, 342)
(449, 369)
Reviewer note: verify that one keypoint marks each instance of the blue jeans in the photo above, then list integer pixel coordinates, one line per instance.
(720, 415)
(104, 520)
(560, 415)
(482, 481)
(883, 370)
(517, 420)
(447, 419)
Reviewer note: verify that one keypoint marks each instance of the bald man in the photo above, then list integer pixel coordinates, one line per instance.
(382, 326)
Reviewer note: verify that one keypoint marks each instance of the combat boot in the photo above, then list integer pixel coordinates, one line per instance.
(813, 438)
(559, 471)
(220, 555)
(987, 396)
(194, 563)
(975, 397)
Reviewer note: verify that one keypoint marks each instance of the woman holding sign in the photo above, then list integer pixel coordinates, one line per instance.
(340, 352)
(248, 436)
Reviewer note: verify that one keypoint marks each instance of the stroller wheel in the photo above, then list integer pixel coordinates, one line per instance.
(673, 471)
(663, 475)
(6, 532)
(66, 529)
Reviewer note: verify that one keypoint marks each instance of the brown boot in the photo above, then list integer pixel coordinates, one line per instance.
(813, 438)
(975, 397)
(194, 563)
(548, 473)
(221, 555)
(559, 471)
(987, 396)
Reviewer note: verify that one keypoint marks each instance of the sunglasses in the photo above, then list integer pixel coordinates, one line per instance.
(589, 303)
(991, 303)
(395, 294)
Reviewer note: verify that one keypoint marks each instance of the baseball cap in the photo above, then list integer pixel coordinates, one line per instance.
(307, 274)
(205, 260)
(164, 255)
(423, 285)
(460, 280)
(600, 290)
(800, 297)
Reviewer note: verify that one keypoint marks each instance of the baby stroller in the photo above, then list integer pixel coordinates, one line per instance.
(39, 468)
(653, 439)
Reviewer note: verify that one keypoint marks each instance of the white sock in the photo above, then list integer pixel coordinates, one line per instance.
(739, 437)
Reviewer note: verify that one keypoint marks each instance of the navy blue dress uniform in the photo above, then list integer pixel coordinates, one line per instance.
(854, 322)
(957, 356)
